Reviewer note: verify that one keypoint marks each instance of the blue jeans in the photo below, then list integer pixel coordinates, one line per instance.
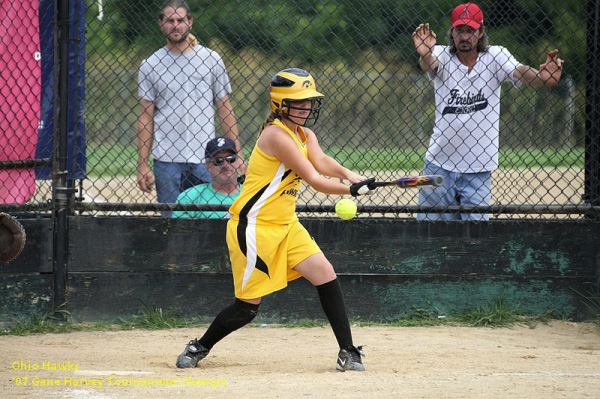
(172, 178)
(458, 189)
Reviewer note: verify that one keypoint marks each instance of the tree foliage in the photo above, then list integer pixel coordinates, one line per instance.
(328, 30)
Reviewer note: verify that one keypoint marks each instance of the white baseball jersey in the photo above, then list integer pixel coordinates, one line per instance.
(467, 113)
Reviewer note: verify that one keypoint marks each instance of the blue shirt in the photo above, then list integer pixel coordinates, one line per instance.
(205, 194)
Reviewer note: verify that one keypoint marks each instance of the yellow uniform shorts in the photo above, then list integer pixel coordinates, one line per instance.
(263, 256)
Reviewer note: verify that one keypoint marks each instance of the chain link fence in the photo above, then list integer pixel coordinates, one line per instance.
(379, 110)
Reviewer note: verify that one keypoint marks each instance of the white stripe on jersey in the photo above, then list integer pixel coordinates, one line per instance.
(251, 249)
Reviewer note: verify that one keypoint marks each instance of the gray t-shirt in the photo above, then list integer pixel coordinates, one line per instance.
(184, 89)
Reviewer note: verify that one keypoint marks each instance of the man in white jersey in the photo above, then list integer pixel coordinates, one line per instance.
(180, 87)
(467, 75)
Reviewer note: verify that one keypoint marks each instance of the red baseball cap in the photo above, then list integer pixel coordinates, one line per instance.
(467, 14)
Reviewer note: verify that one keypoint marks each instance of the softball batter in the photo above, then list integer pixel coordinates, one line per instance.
(267, 244)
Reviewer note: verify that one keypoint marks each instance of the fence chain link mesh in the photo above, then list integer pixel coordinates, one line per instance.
(379, 108)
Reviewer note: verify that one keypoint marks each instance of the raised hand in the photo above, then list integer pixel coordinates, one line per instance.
(424, 39)
(551, 70)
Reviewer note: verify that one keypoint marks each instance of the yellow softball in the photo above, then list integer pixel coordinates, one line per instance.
(345, 209)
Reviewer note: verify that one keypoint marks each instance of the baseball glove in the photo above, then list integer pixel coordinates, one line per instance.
(12, 238)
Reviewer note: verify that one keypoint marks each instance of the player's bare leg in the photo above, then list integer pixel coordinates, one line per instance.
(320, 273)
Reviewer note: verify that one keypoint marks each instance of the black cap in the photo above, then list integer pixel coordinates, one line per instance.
(219, 144)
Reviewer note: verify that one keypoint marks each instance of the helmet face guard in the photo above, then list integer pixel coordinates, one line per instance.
(310, 119)
(291, 86)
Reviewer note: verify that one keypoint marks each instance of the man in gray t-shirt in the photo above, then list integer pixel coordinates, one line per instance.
(181, 87)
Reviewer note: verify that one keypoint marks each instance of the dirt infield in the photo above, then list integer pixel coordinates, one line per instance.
(532, 186)
(555, 360)
(510, 186)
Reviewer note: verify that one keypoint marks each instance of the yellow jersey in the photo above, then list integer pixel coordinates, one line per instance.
(270, 191)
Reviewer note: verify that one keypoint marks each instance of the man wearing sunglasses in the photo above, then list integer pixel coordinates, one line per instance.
(223, 163)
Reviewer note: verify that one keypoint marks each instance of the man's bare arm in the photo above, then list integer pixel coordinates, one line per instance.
(145, 177)
(548, 75)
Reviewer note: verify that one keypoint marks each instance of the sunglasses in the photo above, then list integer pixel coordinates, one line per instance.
(221, 160)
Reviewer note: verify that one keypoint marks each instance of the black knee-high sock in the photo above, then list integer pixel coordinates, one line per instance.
(333, 305)
(227, 321)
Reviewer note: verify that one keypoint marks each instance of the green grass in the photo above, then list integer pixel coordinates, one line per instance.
(591, 298)
(57, 321)
(531, 158)
(114, 160)
(121, 160)
(153, 318)
(306, 323)
(407, 159)
(497, 313)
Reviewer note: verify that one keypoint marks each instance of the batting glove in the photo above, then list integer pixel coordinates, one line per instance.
(362, 188)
